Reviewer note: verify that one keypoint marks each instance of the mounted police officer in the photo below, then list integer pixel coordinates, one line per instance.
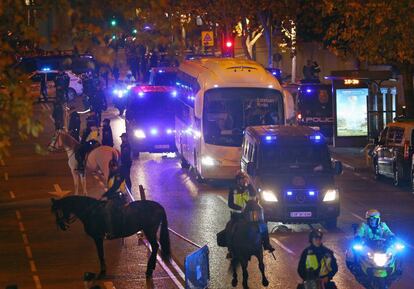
(237, 199)
(317, 264)
(117, 187)
(89, 141)
(74, 125)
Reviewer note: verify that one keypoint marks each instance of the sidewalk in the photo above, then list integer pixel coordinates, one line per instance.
(352, 158)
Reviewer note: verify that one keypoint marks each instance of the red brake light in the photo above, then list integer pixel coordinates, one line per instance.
(229, 44)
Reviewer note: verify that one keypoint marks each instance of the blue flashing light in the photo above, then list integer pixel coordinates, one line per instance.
(308, 90)
(358, 247)
(161, 71)
(311, 193)
(174, 93)
(289, 193)
(46, 69)
(316, 138)
(270, 138)
(399, 246)
(141, 94)
(154, 131)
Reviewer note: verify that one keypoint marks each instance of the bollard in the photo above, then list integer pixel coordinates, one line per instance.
(142, 192)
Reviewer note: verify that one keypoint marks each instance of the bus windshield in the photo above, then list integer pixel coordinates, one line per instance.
(305, 158)
(227, 112)
(151, 107)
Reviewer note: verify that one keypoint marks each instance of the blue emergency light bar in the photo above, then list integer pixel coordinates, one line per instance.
(46, 69)
(270, 138)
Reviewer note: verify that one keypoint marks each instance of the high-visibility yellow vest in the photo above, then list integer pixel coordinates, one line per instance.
(93, 135)
(240, 199)
(313, 264)
(325, 266)
(122, 187)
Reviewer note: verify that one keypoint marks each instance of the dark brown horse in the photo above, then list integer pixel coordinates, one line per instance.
(245, 242)
(144, 216)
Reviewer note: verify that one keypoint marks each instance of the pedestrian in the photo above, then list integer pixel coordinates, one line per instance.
(60, 83)
(307, 70)
(57, 115)
(126, 160)
(317, 264)
(43, 87)
(107, 139)
(74, 125)
(98, 102)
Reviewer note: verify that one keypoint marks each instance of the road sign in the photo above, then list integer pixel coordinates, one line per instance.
(207, 38)
(197, 269)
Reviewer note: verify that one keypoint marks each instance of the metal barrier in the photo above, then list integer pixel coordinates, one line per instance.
(197, 269)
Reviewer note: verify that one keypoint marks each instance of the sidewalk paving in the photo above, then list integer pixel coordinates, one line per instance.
(353, 158)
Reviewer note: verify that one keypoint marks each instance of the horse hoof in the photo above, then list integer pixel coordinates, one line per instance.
(234, 282)
(148, 274)
(245, 286)
(265, 282)
(101, 274)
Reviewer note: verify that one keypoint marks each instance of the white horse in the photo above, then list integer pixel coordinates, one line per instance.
(97, 159)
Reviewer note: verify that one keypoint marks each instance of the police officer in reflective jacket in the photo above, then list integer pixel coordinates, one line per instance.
(317, 264)
(237, 199)
(117, 186)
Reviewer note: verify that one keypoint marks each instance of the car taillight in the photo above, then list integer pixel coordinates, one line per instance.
(406, 150)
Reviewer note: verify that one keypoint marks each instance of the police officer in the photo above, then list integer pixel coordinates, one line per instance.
(317, 263)
(60, 84)
(89, 141)
(126, 160)
(373, 228)
(107, 139)
(117, 186)
(74, 125)
(237, 199)
(58, 115)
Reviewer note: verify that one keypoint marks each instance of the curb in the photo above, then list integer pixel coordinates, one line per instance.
(345, 165)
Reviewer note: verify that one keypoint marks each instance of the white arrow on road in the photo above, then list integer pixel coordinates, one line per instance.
(58, 191)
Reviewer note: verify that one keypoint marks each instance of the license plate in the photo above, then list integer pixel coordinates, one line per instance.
(162, 146)
(300, 214)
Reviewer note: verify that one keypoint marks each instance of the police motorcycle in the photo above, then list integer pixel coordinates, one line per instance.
(375, 264)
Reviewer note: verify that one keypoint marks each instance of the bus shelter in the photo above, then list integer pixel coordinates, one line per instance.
(363, 103)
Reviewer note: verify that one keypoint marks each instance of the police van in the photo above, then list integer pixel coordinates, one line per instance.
(291, 168)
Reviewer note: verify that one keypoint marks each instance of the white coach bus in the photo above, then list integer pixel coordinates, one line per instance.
(217, 99)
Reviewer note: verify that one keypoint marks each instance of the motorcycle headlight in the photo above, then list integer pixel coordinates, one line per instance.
(358, 247)
(208, 161)
(399, 246)
(330, 195)
(269, 196)
(139, 133)
(380, 259)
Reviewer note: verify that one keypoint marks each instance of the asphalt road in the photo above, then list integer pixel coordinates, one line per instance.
(35, 254)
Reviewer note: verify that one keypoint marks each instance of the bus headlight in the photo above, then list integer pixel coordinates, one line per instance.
(208, 161)
(269, 196)
(330, 195)
(139, 133)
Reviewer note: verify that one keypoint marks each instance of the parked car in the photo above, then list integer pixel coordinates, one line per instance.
(291, 169)
(75, 85)
(392, 156)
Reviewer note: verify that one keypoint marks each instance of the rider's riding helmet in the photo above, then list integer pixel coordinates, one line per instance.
(241, 176)
(315, 234)
(373, 217)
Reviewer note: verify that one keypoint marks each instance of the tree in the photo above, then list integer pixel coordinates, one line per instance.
(375, 32)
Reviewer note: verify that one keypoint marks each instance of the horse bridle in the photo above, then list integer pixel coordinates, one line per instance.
(62, 221)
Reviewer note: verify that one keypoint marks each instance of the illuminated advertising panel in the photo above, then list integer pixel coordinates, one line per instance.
(351, 111)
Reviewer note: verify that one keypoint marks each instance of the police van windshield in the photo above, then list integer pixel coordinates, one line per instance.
(165, 79)
(315, 102)
(227, 112)
(304, 157)
(149, 107)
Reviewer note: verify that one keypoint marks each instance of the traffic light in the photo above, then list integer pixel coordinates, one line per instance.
(113, 22)
(227, 48)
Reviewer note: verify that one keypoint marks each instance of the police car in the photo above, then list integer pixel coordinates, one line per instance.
(75, 84)
(291, 168)
(392, 156)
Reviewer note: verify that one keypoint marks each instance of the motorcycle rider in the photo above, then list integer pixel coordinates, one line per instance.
(317, 262)
(117, 186)
(237, 199)
(373, 229)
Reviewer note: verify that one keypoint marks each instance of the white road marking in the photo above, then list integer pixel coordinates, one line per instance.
(222, 199)
(32, 266)
(12, 195)
(37, 282)
(6, 176)
(25, 240)
(109, 285)
(280, 244)
(2, 163)
(21, 227)
(357, 174)
(28, 252)
(184, 238)
(178, 269)
(358, 217)
(18, 215)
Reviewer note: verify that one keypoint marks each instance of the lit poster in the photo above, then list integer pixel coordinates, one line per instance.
(351, 112)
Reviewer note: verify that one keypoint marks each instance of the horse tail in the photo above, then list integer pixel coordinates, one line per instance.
(165, 237)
